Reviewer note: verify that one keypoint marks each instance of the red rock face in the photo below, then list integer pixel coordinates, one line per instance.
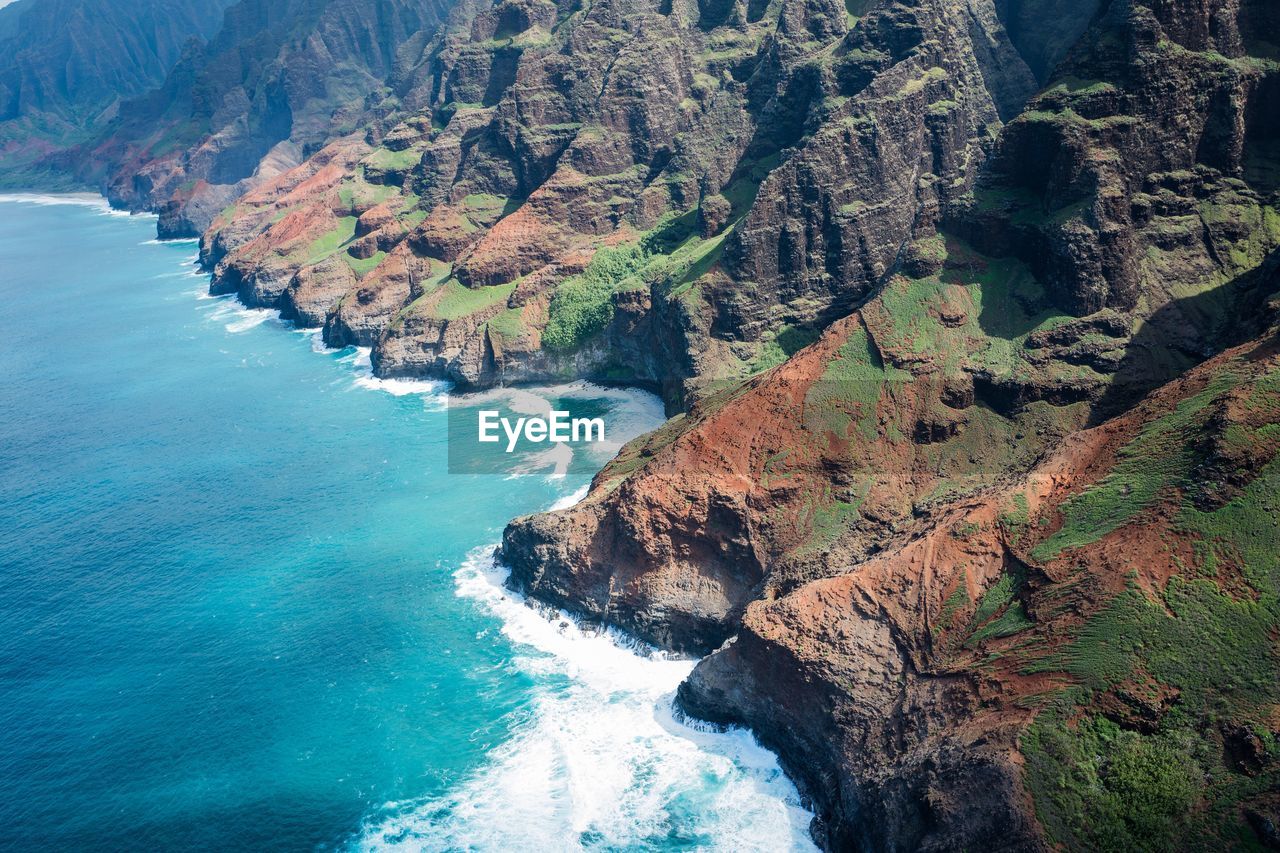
(908, 272)
(865, 533)
(869, 669)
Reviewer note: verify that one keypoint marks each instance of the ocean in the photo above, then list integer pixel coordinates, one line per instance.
(246, 605)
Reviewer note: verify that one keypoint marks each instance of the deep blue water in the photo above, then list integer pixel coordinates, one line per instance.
(245, 606)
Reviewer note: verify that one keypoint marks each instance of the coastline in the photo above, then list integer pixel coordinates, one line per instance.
(553, 621)
(82, 199)
(950, 337)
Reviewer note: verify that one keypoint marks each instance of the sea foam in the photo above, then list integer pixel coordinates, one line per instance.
(363, 364)
(570, 500)
(602, 763)
(91, 200)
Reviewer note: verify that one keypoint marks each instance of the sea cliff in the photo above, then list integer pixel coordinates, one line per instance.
(965, 312)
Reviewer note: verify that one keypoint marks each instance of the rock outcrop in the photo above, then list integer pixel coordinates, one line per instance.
(904, 554)
(905, 272)
(929, 675)
(925, 693)
(695, 182)
(965, 311)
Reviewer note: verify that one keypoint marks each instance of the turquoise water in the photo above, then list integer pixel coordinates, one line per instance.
(245, 605)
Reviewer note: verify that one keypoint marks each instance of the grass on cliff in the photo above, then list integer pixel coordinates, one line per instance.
(509, 325)
(486, 203)
(999, 612)
(1115, 790)
(788, 341)
(1129, 791)
(363, 266)
(1159, 457)
(356, 192)
(955, 604)
(582, 305)
(331, 241)
(459, 301)
(829, 518)
(976, 311)
(1258, 227)
(1199, 638)
(1205, 639)
(849, 391)
(386, 160)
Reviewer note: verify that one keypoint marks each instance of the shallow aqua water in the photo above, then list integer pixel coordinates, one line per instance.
(244, 604)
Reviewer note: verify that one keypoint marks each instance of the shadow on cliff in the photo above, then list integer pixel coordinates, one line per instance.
(1188, 331)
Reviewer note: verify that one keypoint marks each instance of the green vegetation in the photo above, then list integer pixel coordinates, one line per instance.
(1076, 86)
(357, 192)
(1113, 789)
(975, 311)
(1017, 515)
(830, 520)
(1219, 654)
(692, 261)
(362, 266)
(459, 301)
(999, 595)
(1158, 458)
(331, 241)
(386, 160)
(1198, 639)
(999, 612)
(1244, 532)
(413, 218)
(850, 389)
(917, 84)
(1012, 621)
(1258, 226)
(487, 208)
(583, 304)
(955, 603)
(509, 324)
(440, 273)
(942, 108)
(1207, 638)
(787, 342)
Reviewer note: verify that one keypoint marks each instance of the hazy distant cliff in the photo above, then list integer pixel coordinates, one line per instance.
(65, 65)
(276, 83)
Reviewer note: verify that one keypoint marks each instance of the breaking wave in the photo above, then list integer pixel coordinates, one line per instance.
(602, 762)
(92, 200)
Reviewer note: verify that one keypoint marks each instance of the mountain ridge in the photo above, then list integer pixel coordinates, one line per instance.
(67, 65)
(964, 310)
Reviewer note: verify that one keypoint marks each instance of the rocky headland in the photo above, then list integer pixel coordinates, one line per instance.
(965, 311)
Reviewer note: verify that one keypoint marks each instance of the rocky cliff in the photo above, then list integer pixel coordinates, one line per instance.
(66, 66)
(643, 193)
(962, 616)
(1083, 656)
(965, 311)
(906, 272)
(277, 82)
